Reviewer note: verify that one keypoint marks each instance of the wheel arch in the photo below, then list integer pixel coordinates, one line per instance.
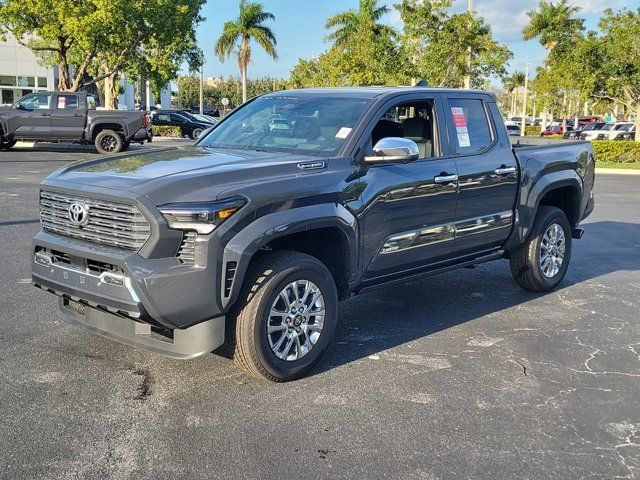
(96, 128)
(327, 232)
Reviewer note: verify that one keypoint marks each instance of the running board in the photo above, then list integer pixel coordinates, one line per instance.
(427, 273)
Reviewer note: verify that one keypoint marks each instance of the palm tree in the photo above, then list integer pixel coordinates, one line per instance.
(512, 83)
(347, 25)
(239, 33)
(552, 23)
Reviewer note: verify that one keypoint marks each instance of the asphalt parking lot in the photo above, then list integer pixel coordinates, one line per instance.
(458, 376)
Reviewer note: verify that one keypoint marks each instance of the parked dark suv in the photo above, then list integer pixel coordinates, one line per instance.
(189, 125)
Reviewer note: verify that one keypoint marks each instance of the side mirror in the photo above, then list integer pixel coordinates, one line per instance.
(19, 106)
(394, 150)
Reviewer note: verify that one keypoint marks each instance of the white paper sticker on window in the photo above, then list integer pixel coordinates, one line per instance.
(463, 139)
(343, 132)
(62, 102)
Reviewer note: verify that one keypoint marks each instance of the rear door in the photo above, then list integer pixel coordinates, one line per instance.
(68, 117)
(487, 174)
(408, 209)
(33, 121)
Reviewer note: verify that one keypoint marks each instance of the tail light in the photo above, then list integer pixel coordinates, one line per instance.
(145, 120)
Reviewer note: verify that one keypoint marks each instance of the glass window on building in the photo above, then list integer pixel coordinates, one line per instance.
(42, 82)
(7, 97)
(26, 81)
(8, 81)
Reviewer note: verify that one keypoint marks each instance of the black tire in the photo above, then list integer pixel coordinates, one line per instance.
(108, 141)
(195, 133)
(526, 264)
(248, 320)
(7, 145)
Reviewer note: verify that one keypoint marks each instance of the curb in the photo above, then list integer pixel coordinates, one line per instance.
(617, 171)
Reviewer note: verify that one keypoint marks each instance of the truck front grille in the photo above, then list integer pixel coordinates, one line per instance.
(109, 223)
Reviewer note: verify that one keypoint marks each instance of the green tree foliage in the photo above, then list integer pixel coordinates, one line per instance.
(104, 37)
(433, 46)
(553, 23)
(239, 33)
(512, 84)
(188, 92)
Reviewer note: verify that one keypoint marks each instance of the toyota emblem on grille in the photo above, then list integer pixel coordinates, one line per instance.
(78, 214)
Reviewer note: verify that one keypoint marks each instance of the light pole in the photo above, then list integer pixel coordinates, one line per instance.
(467, 80)
(201, 83)
(523, 126)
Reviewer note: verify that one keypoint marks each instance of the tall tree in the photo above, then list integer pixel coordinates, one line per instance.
(557, 29)
(437, 42)
(553, 23)
(512, 84)
(239, 34)
(348, 25)
(90, 40)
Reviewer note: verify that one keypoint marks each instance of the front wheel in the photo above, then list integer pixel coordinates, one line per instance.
(7, 145)
(108, 141)
(541, 263)
(285, 316)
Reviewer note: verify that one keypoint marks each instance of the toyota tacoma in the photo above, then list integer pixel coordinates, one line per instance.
(251, 237)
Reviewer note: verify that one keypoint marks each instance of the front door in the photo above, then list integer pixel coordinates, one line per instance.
(33, 117)
(67, 117)
(408, 211)
(487, 175)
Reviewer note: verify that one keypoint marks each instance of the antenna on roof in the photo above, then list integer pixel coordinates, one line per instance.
(422, 83)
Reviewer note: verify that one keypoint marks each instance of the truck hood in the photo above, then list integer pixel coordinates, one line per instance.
(182, 174)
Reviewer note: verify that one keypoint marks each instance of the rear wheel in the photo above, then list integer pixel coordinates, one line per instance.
(195, 134)
(541, 263)
(108, 141)
(285, 316)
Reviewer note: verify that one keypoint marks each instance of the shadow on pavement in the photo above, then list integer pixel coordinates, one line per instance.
(398, 314)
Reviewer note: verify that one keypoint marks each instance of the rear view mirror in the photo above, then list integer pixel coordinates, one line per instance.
(394, 150)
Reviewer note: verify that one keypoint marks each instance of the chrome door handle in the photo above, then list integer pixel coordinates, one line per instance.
(446, 178)
(505, 170)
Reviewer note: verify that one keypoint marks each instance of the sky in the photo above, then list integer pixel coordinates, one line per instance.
(299, 29)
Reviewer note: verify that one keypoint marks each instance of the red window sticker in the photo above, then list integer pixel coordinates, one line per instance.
(459, 118)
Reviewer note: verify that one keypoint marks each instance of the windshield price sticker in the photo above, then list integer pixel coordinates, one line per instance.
(62, 102)
(460, 121)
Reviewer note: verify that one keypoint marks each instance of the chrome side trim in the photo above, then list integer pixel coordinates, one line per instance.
(442, 233)
(473, 226)
(418, 238)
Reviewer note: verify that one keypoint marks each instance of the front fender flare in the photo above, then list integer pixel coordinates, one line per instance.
(242, 247)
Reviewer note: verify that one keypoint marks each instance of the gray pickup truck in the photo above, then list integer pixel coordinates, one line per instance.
(71, 117)
(253, 235)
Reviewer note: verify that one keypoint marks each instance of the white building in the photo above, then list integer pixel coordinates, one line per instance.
(20, 72)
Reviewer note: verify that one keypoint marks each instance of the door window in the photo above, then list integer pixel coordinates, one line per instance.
(67, 102)
(37, 101)
(177, 118)
(91, 102)
(472, 132)
(411, 120)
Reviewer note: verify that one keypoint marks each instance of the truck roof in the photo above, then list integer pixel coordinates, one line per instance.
(374, 91)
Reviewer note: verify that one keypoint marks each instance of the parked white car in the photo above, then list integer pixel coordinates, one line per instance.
(609, 132)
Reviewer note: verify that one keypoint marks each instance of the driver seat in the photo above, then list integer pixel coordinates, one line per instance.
(419, 130)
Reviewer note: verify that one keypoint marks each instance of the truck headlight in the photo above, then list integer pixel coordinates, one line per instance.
(200, 217)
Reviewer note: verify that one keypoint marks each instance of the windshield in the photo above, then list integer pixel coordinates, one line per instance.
(289, 123)
(608, 126)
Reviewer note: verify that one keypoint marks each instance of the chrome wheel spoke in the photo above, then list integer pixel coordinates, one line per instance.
(552, 250)
(288, 330)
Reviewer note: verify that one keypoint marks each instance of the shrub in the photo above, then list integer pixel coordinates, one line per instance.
(166, 131)
(617, 151)
(532, 131)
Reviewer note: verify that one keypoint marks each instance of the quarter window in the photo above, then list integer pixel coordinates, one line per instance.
(471, 129)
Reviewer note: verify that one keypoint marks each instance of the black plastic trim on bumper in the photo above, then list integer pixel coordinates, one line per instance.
(183, 344)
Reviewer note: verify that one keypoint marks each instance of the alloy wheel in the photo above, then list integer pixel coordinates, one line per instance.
(552, 250)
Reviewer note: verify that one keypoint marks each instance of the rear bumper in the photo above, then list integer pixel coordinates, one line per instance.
(143, 135)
